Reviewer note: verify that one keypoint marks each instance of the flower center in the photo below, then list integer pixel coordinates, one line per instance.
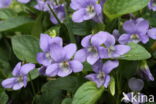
(90, 9)
(134, 37)
(20, 79)
(47, 55)
(64, 66)
(101, 75)
(111, 49)
(92, 49)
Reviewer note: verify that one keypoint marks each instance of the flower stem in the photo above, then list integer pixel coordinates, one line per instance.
(32, 85)
(52, 11)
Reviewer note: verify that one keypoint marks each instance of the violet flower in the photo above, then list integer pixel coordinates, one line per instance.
(46, 41)
(19, 78)
(42, 5)
(145, 72)
(109, 49)
(135, 84)
(101, 76)
(60, 12)
(116, 34)
(152, 33)
(152, 5)
(90, 52)
(136, 31)
(5, 3)
(24, 1)
(86, 10)
(64, 65)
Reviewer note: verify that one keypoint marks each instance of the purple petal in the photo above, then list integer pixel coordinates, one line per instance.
(97, 66)
(5, 3)
(57, 52)
(52, 70)
(44, 42)
(98, 39)
(70, 50)
(42, 59)
(98, 9)
(18, 86)
(23, 1)
(8, 83)
(26, 68)
(103, 52)
(64, 72)
(93, 77)
(107, 80)
(120, 50)
(110, 39)
(135, 84)
(76, 66)
(144, 38)
(142, 26)
(109, 66)
(92, 58)
(78, 15)
(16, 70)
(86, 41)
(152, 33)
(77, 4)
(81, 55)
(57, 40)
(129, 26)
(123, 39)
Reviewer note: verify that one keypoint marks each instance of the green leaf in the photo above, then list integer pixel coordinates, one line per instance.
(6, 13)
(3, 97)
(67, 101)
(13, 22)
(25, 47)
(137, 52)
(37, 27)
(116, 8)
(112, 86)
(88, 93)
(34, 74)
(69, 83)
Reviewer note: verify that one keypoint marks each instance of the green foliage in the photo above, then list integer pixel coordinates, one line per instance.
(25, 47)
(116, 8)
(13, 22)
(67, 101)
(112, 86)
(6, 13)
(88, 93)
(52, 91)
(3, 97)
(137, 52)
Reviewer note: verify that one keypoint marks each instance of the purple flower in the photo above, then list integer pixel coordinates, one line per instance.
(135, 84)
(42, 5)
(86, 10)
(60, 12)
(64, 65)
(46, 42)
(24, 1)
(19, 78)
(109, 49)
(100, 45)
(144, 71)
(5, 3)
(136, 31)
(151, 5)
(101, 76)
(90, 52)
(116, 34)
(152, 33)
